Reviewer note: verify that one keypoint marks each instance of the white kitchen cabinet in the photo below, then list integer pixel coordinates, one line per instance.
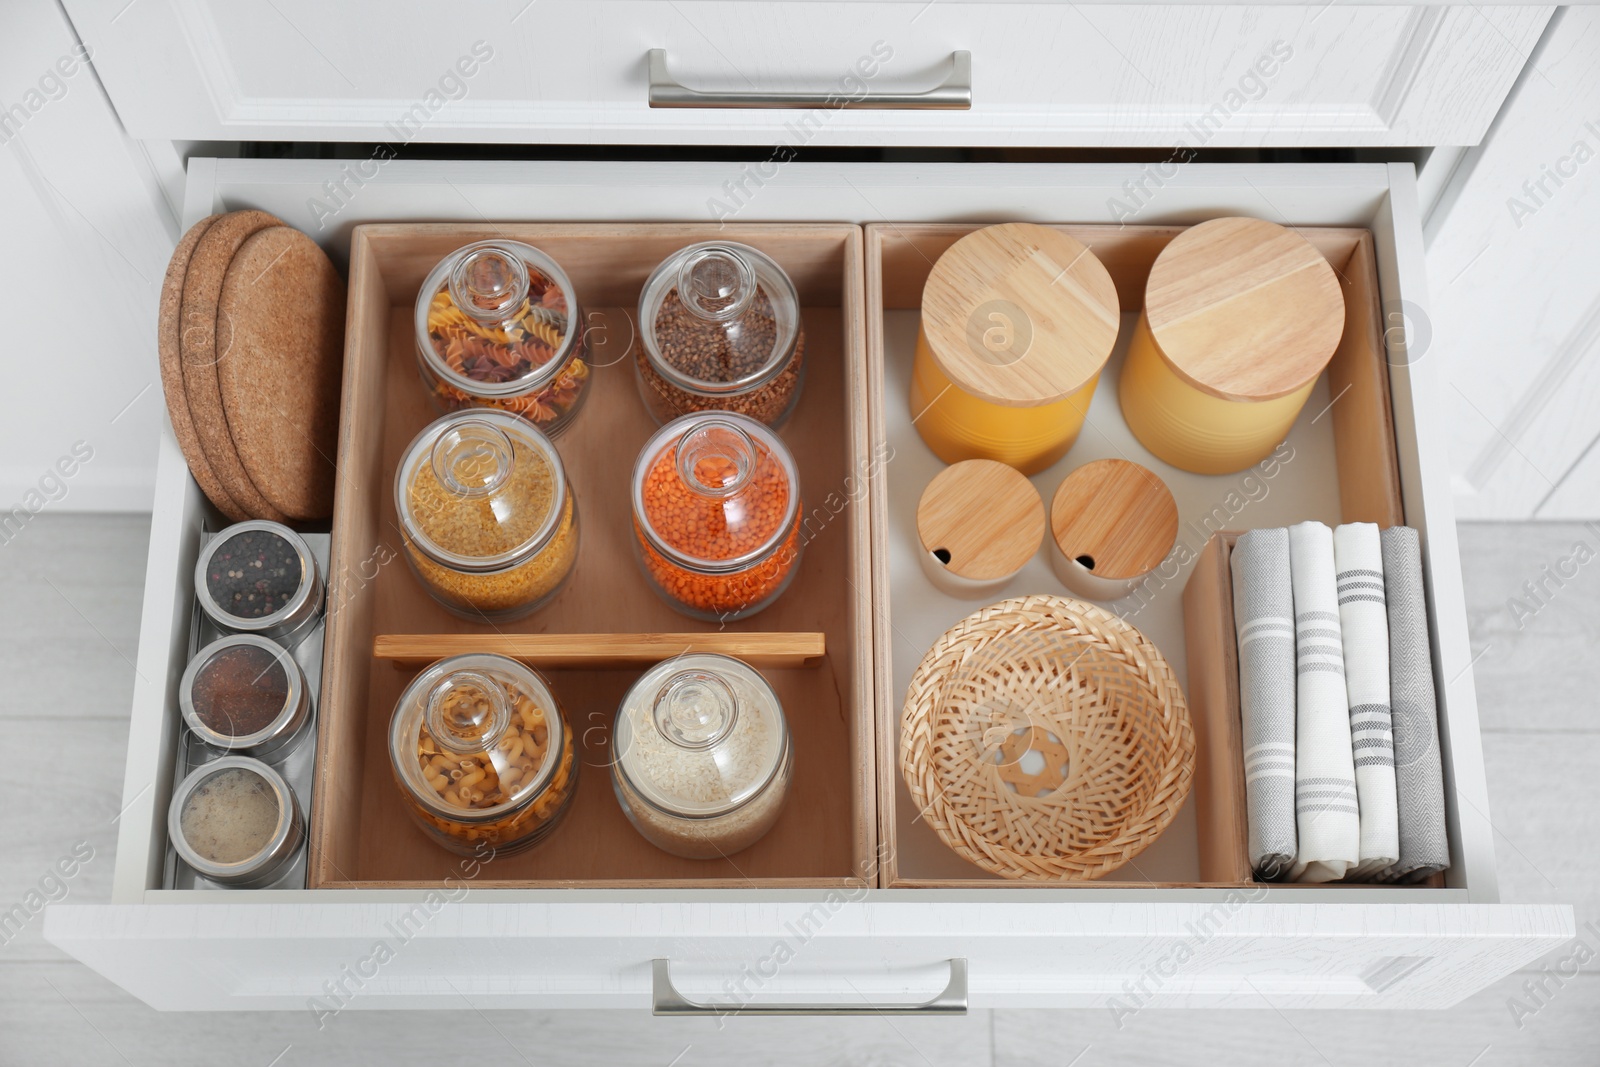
(1042, 74)
(1358, 946)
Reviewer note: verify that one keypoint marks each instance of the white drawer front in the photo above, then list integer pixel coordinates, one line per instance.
(1329, 946)
(1043, 74)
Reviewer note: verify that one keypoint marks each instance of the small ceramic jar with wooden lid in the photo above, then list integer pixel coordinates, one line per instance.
(1240, 318)
(1112, 522)
(1017, 322)
(979, 522)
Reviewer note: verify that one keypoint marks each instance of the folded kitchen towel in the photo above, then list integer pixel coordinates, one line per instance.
(1263, 619)
(1364, 622)
(1419, 780)
(1326, 811)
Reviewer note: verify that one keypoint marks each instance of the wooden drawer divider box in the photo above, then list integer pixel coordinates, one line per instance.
(361, 834)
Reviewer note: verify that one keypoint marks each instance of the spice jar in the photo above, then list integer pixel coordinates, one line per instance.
(498, 325)
(488, 520)
(721, 329)
(246, 694)
(703, 756)
(716, 510)
(484, 755)
(259, 577)
(236, 821)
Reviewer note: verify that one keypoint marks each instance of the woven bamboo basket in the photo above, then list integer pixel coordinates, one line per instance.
(1044, 738)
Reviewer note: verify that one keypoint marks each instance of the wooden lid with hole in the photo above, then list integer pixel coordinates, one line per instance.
(1020, 315)
(1116, 513)
(985, 515)
(1244, 309)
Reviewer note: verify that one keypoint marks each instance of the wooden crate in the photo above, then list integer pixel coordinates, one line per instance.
(899, 257)
(361, 834)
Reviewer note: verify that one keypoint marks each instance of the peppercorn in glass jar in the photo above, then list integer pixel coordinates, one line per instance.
(703, 759)
(721, 329)
(716, 510)
(483, 755)
(498, 325)
(488, 520)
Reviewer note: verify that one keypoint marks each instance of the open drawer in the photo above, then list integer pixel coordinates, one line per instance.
(854, 944)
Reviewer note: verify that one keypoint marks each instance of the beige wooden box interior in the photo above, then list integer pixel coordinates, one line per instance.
(361, 834)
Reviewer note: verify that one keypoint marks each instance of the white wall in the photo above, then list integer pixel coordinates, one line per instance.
(85, 234)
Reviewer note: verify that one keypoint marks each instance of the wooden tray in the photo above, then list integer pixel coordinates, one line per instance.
(361, 834)
(1346, 470)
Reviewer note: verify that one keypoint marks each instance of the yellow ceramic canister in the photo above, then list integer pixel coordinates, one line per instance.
(1240, 318)
(1017, 321)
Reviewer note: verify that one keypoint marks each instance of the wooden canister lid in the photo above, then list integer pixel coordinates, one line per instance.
(982, 519)
(1244, 309)
(1019, 314)
(1117, 514)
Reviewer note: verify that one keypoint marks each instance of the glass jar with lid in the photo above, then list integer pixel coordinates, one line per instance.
(703, 756)
(483, 754)
(721, 328)
(716, 510)
(498, 325)
(487, 516)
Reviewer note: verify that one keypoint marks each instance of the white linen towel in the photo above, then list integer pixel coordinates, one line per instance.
(1263, 618)
(1327, 815)
(1419, 780)
(1364, 622)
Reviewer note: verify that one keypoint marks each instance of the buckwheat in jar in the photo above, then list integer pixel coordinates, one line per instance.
(716, 515)
(498, 325)
(483, 754)
(486, 514)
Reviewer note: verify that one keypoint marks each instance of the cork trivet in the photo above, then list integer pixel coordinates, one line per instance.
(169, 327)
(201, 291)
(280, 320)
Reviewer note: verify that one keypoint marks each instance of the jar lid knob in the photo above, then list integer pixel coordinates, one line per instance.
(467, 712)
(696, 709)
(717, 283)
(716, 458)
(473, 458)
(489, 283)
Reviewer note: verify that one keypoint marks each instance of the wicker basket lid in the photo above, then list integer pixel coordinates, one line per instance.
(1045, 738)
(1019, 314)
(1244, 309)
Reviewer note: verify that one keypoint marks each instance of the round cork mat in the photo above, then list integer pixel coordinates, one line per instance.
(1115, 517)
(280, 321)
(982, 519)
(169, 328)
(1020, 315)
(201, 354)
(1244, 309)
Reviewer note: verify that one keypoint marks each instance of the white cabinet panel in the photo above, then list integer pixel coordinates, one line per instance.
(1043, 74)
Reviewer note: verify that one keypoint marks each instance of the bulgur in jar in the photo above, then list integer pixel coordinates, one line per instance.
(487, 517)
(483, 755)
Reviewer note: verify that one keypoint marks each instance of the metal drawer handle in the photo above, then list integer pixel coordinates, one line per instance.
(666, 1000)
(952, 94)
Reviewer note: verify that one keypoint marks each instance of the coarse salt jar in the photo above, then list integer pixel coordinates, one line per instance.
(487, 516)
(716, 515)
(483, 755)
(498, 325)
(703, 756)
(721, 328)
(237, 822)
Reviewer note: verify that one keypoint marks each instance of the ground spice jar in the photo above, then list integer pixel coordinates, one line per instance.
(703, 756)
(498, 325)
(246, 694)
(487, 517)
(483, 754)
(236, 821)
(259, 577)
(1240, 317)
(721, 328)
(716, 509)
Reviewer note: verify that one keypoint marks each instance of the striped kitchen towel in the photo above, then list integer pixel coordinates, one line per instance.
(1326, 811)
(1263, 618)
(1419, 780)
(1364, 621)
